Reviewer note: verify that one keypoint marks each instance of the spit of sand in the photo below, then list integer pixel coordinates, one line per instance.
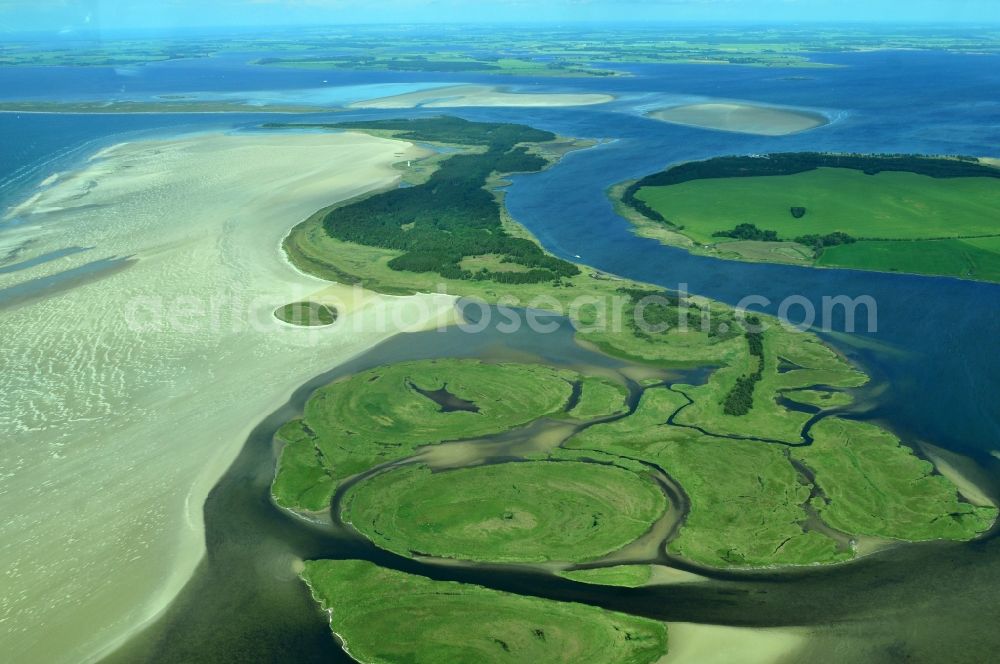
(742, 118)
(455, 96)
(126, 392)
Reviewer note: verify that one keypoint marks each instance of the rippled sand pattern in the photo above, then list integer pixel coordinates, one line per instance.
(121, 403)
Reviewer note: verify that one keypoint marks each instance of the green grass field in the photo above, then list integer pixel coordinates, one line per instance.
(977, 258)
(890, 205)
(388, 616)
(536, 511)
(937, 217)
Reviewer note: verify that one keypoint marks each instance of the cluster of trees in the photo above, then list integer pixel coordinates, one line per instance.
(748, 232)
(739, 401)
(451, 216)
(819, 242)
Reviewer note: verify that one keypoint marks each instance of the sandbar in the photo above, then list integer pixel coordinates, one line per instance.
(123, 399)
(742, 118)
(455, 96)
(717, 644)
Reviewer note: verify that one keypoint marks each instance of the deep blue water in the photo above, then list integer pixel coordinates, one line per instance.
(945, 379)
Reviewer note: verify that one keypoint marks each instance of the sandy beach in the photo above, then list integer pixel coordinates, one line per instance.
(742, 118)
(127, 392)
(481, 95)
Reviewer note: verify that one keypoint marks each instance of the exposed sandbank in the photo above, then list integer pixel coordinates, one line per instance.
(455, 96)
(124, 399)
(742, 118)
(974, 482)
(715, 644)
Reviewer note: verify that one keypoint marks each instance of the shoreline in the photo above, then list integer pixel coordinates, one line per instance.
(171, 409)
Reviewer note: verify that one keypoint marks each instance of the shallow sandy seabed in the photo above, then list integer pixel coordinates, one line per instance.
(715, 644)
(122, 401)
(456, 96)
(971, 479)
(742, 118)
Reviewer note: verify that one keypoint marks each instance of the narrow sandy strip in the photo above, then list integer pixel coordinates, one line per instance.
(455, 96)
(124, 398)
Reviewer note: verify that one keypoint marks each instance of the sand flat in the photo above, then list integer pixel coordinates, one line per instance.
(692, 643)
(455, 96)
(742, 118)
(124, 399)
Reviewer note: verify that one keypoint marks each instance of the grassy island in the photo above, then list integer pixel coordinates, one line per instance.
(875, 212)
(306, 314)
(535, 511)
(387, 616)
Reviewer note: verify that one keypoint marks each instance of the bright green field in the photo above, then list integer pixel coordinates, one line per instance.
(513, 512)
(890, 205)
(977, 258)
(388, 616)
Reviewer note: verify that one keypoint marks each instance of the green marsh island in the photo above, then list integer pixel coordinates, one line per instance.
(715, 441)
(888, 213)
(306, 314)
(381, 615)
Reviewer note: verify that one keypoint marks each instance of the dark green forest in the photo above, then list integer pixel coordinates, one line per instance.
(451, 216)
(747, 231)
(739, 401)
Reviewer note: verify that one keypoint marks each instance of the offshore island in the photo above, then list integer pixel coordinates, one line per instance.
(715, 441)
(890, 213)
